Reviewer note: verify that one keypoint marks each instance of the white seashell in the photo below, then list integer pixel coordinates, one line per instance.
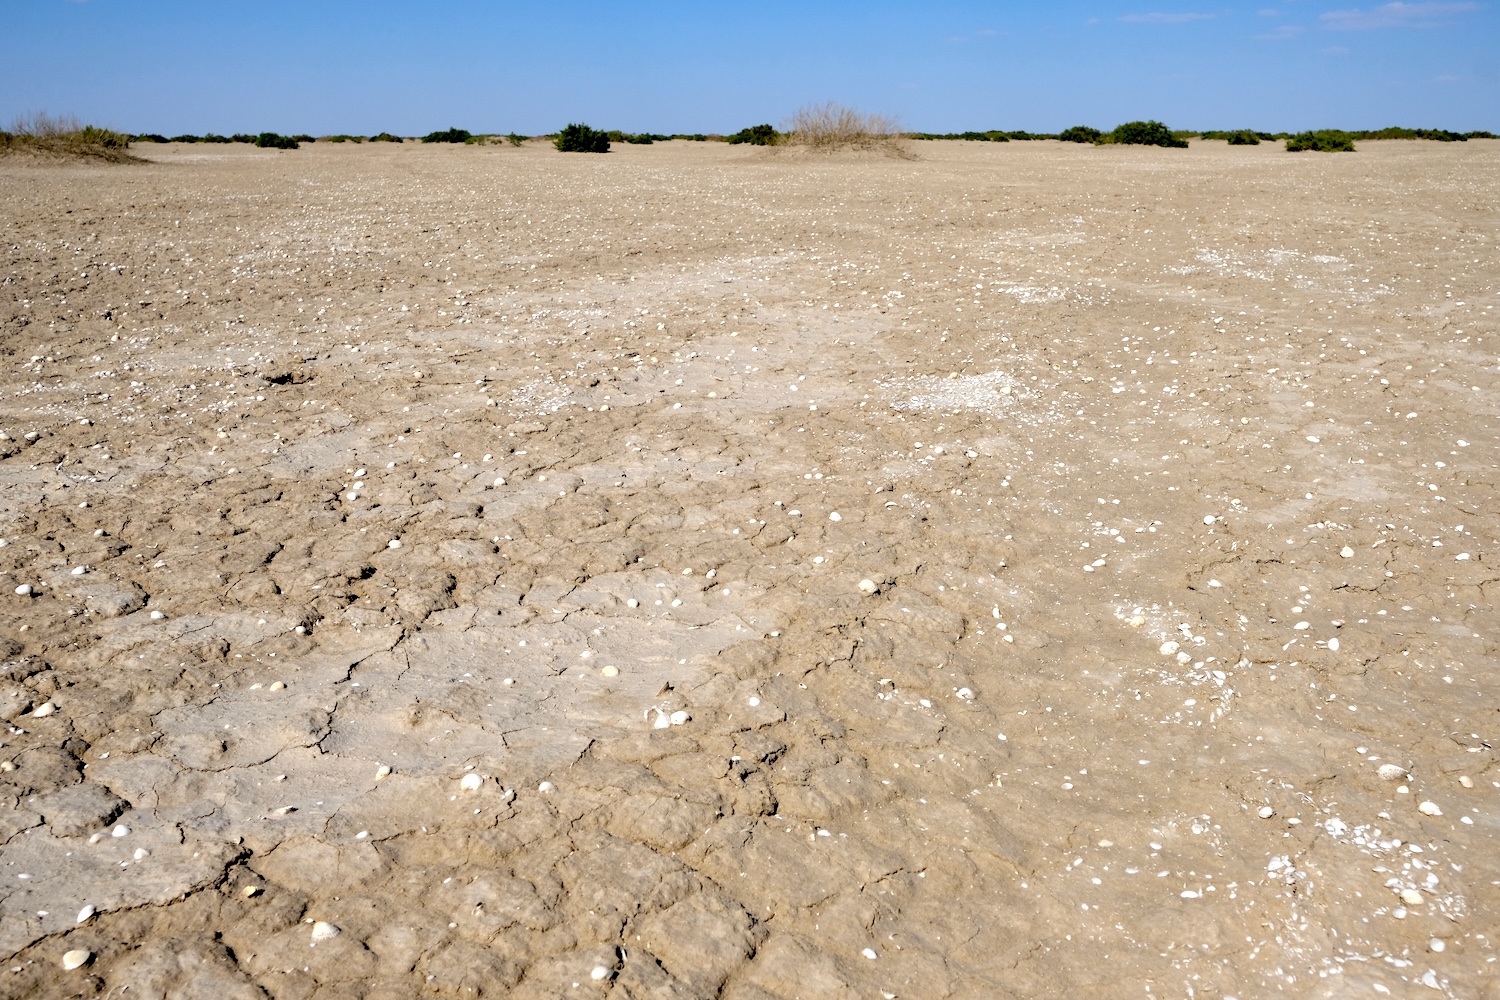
(24, 590)
(1168, 648)
(76, 959)
(1208, 519)
(1429, 808)
(1466, 781)
(1333, 645)
(663, 721)
(1411, 897)
(470, 782)
(609, 670)
(250, 891)
(394, 543)
(277, 685)
(1265, 812)
(599, 972)
(382, 771)
(87, 912)
(1391, 772)
(157, 616)
(867, 586)
(870, 954)
(1437, 944)
(679, 717)
(499, 480)
(120, 830)
(1346, 552)
(1301, 626)
(966, 694)
(78, 570)
(141, 853)
(835, 516)
(43, 710)
(324, 931)
(546, 787)
(632, 603)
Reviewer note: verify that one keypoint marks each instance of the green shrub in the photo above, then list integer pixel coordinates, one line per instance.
(386, 137)
(515, 139)
(270, 140)
(578, 138)
(210, 137)
(242, 137)
(1244, 137)
(150, 137)
(1080, 133)
(305, 138)
(1322, 141)
(1148, 133)
(755, 135)
(183, 138)
(343, 138)
(451, 135)
(91, 135)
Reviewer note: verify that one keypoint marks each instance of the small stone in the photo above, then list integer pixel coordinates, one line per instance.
(157, 616)
(867, 587)
(632, 603)
(870, 954)
(1411, 897)
(1333, 645)
(1437, 944)
(324, 931)
(1391, 772)
(141, 854)
(85, 913)
(1429, 808)
(1265, 812)
(76, 959)
(1208, 519)
(470, 782)
(394, 543)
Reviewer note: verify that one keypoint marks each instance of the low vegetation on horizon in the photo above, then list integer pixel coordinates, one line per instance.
(41, 134)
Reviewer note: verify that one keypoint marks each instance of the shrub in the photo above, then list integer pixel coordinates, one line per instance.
(210, 137)
(1080, 133)
(150, 137)
(183, 138)
(755, 135)
(343, 138)
(451, 135)
(831, 126)
(270, 140)
(386, 137)
(1322, 141)
(578, 138)
(515, 139)
(1244, 137)
(305, 138)
(42, 133)
(242, 137)
(1148, 133)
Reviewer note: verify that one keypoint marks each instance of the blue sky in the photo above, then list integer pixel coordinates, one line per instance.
(323, 66)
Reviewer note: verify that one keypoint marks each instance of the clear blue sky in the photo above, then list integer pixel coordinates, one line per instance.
(363, 66)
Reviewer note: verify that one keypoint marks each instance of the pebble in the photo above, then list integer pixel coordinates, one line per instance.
(499, 480)
(1391, 772)
(1429, 808)
(470, 782)
(1437, 944)
(632, 603)
(1208, 519)
(141, 854)
(1411, 897)
(1333, 645)
(610, 670)
(76, 959)
(866, 587)
(1168, 648)
(85, 913)
(324, 931)
(24, 590)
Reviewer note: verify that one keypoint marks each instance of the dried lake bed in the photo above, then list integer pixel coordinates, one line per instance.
(1025, 570)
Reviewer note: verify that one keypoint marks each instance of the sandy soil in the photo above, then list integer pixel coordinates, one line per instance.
(1025, 571)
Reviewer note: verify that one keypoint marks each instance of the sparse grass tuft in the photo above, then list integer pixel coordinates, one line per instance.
(45, 135)
(830, 127)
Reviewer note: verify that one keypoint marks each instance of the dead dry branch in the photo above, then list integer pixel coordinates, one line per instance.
(830, 127)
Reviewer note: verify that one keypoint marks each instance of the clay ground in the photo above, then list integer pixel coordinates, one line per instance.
(1173, 473)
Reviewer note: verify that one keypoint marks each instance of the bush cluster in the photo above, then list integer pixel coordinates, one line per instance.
(755, 135)
(515, 139)
(1080, 133)
(450, 135)
(271, 140)
(43, 133)
(579, 138)
(994, 135)
(1322, 141)
(386, 137)
(1147, 133)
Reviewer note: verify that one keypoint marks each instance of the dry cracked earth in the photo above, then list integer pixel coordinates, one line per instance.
(1020, 571)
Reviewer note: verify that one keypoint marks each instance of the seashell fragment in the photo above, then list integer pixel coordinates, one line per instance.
(24, 590)
(383, 771)
(965, 694)
(250, 891)
(1346, 552)
(546, 787)
(870, 954)
(76, 959)
(867, 587)
(1391, 772)
(120, 830)
(1411, 897)
(278, 685)
(599, 972)
(43, 710)
(1168, 648)
(609, 670)
(679, 717)
(470, 782)
(1333, 645)
(1466, 781)
(85, 913)
(324, 931)
(1265, 812)
(835, 516)
(1429, 808)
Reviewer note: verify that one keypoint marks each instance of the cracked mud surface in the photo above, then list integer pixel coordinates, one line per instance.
(1172, 473)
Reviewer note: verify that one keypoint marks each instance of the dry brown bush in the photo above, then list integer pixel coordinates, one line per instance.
(830, 127)
(49, 136)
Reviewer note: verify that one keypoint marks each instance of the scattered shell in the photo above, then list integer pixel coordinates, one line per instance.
(24, 590)
(679, 717)
(157, 616)
(1437, 944)
(1391, 772)
(394, 543)
(1429, 808)
(470, 782)
(870, 954)
(76, 959)
(87, 912)
(121, 830)
(609, 670)
(1265, 812)
(1346, 552)
(141, 853)
(250, 891)
(383, 771)
(1333, 645)
(867, 586)
(663, 721)
(835, 516)
(78, 570)
(599, 972)
(43, 710)
(632, 603)
(546, 787)
(966, 694)
(277, 685)
(1208, 519)
(1168, 648)
(324, 931)
(1411, 897)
